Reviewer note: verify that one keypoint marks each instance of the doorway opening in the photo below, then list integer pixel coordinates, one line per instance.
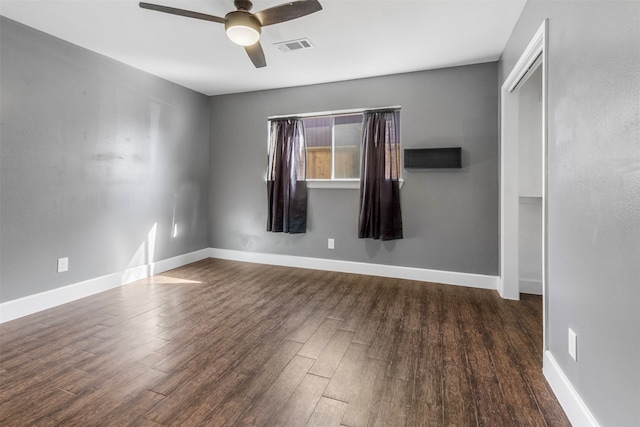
(523, 183)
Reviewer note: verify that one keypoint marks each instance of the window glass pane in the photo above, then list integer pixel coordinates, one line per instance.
(333, 145)
(318, 133)
(392, 150)
(348, 136)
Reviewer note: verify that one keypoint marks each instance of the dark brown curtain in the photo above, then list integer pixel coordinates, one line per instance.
(286, 177)
(380, 215)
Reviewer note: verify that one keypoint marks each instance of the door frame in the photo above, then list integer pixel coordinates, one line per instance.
(535, 55)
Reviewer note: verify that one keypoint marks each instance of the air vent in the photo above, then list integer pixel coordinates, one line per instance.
(292, 45)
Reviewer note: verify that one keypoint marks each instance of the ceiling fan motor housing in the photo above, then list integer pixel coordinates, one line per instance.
(245, 5)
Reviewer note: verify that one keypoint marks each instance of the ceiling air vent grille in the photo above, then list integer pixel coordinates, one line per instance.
(292, 45)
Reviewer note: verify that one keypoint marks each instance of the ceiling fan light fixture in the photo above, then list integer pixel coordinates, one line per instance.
(242, 28)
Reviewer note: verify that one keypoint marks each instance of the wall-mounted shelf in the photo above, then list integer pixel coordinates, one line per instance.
(433, 158)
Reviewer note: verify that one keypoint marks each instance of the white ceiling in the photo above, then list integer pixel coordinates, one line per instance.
(352, 38)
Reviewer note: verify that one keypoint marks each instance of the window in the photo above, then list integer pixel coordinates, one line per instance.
(333, 146)
(333, 143)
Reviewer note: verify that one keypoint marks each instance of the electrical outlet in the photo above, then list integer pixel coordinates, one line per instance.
(573, 345)
(332, 243)
(63, 265)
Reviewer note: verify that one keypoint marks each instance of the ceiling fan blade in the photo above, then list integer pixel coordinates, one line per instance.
(287, 11)
(182, 12)
(256, 54)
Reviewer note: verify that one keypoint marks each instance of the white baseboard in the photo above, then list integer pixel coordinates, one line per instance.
(576, 410)
(178, 261)
(15, 309)
(531, 286)
(411, 273)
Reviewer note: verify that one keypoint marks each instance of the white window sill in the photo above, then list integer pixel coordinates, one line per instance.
(340, 184)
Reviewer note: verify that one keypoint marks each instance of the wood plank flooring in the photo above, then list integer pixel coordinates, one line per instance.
(223, 343)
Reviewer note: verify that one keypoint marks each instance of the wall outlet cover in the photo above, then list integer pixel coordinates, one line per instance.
(63, 264)
(332, 243)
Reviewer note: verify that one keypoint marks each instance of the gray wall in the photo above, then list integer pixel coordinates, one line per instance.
(593, 195)
(450, 217)
(93, 153)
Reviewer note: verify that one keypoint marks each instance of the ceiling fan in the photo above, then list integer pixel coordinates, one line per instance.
(244, 27)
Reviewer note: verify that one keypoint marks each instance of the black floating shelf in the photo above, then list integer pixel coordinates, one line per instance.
(433, 158)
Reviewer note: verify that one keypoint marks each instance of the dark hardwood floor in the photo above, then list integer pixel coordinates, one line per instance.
(223, 343)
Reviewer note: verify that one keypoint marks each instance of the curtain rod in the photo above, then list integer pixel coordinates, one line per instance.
(333, 112)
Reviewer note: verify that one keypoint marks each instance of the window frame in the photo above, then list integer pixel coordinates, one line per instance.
(340, 183)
